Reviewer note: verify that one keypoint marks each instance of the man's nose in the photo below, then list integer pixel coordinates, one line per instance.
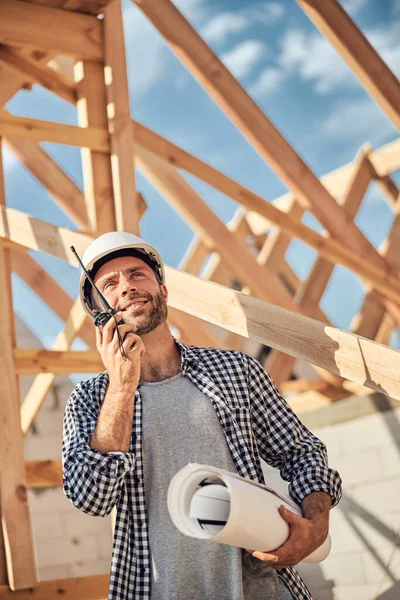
(127, 286)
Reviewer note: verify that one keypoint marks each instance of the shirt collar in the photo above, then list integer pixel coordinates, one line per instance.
(188, 355)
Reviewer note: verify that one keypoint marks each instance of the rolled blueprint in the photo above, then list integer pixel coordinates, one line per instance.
(208, 503)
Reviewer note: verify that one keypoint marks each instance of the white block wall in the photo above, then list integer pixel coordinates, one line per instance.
(364, 563)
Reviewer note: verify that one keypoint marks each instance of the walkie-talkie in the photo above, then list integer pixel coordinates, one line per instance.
(101, 316)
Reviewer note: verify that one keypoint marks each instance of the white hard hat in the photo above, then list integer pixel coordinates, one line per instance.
(113, 245)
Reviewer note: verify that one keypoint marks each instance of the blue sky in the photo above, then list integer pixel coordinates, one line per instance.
(293, 74)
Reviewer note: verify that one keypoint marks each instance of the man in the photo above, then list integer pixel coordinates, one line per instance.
(161, 404)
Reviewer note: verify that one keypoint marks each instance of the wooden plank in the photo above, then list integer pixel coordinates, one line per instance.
(122, 144)
(194, 257)
(20, 228)
(62, 189)
(95, 138)
(193, 330)
(384, 160)
(48, 290)
(317, 343)
(31, 71)
(368, 321)
(7, 276)
(310, 293)
(34, 234)
(11, 83)
(33, 361)
(258, 130)
(43, 382)
(97, 173)
(50, 29)
(88, 7)
(43, 473)
(347, 39)
(211, 229)
(15, 518)
(91, 587)
(338, 351)
(387, 157)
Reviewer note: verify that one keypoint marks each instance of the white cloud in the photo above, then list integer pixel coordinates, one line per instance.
(244, 57)
(270, 12)
(314, 59)
(387, 42)
(223, 25)
(358, 121)
(353, 6)
(268, 82)
(146, 52)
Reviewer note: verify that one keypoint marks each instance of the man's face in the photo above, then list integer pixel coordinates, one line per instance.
(130, 285)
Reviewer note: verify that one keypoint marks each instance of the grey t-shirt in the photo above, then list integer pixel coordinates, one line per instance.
(180, 426)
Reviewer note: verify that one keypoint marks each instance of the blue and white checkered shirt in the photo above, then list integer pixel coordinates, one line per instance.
(257, 423)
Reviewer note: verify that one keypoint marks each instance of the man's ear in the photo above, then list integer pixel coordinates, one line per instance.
(164, 291)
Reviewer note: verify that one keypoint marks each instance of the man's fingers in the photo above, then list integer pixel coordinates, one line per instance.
(99, 338)
(289, 516)
(265, 556)
(110, 328)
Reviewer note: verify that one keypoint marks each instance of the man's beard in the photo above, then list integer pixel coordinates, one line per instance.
(156, 308)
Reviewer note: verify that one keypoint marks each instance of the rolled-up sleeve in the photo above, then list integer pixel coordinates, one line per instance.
(92, 480)
(285, 443)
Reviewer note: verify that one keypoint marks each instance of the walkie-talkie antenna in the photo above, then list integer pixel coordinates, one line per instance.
(104, 302)
(102, 317)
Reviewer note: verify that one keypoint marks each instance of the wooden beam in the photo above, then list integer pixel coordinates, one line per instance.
(193, 330)
(302, 385)
(338, 351)
(97, 173)
(122, 144)
(87, 7)
(32, 72)
(341, 352)
(11, 83)
(43, 382)
(212, 230)
(258, 130)
(95, 138)
(58, 362)
(15, 518)
(385, 158)
(368, 321)
(62, 189)
(194, 257)
(6, 276)
(43, 473)
(51, 29)
(91, 587)
(20, 228)
(347, 39)
(48, 290)
(310, 293)
(34, 234)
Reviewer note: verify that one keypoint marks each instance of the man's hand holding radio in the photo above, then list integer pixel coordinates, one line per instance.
(124, 373)
(114, 424)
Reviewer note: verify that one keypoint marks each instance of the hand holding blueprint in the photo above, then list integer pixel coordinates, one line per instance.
(208, 503)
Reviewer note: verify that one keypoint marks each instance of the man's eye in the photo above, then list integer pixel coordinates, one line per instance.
(108, 284)
(137, 274)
